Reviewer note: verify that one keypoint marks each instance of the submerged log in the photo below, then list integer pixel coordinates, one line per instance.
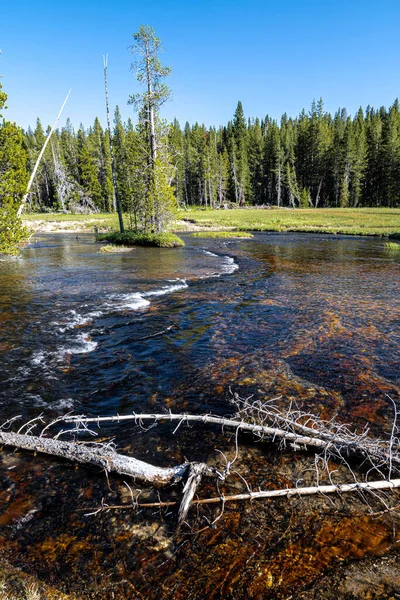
(98, 455)
(337, 443)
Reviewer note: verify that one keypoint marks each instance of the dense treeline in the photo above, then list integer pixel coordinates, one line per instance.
(75, 173)
(316, 160)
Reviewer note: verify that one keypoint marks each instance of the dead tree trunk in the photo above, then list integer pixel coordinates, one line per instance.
(39, 158)
(106, 458)
(113, 168)
(102, 456)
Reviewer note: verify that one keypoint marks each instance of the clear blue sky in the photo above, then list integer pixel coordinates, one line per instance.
(275, 57)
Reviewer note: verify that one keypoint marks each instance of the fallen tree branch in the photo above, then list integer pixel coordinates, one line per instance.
(339, 488)
(196, 472)
(367, 447)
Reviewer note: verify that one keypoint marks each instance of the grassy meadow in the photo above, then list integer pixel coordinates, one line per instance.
(354, 221)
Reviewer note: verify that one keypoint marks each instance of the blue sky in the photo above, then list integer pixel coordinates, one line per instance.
(274, 57)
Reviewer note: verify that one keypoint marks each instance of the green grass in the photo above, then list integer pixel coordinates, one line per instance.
(392, 246)
(130, 238)
(103, 221)
(222, 234)
(361, 221)
(358, 221)
(111, 249)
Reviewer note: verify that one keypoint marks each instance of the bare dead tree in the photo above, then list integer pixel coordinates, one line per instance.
(113, 168)
(39, 158)
(64, 185)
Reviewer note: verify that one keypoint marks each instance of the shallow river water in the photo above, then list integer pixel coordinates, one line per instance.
(309, 318)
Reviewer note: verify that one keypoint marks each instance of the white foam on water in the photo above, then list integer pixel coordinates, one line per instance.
(82, 345)
(38, 358)
(76, 320)
(228, 264)
(132, 301)
(36, 400)
(95, 314)
(179, 284)
(63, 404)
(137, 300)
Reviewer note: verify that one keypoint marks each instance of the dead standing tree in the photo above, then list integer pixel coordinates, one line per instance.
(113, 166)
(39, 158)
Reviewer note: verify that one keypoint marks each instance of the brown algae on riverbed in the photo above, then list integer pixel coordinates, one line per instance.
(256, 550)
(309, 321)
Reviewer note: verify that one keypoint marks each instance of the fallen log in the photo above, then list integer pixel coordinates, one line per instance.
(368, 448)
(341, 443)
(103, 456)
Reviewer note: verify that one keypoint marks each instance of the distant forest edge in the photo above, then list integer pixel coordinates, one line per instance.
(314, 160)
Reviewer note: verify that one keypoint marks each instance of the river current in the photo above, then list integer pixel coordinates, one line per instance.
(307, 318)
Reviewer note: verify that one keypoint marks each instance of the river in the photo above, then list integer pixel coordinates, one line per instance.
(311, 319)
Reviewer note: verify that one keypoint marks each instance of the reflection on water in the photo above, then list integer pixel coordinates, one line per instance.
(314, 319)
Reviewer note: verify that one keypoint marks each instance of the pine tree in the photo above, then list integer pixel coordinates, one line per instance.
(391, 156)
(304, 198)
(255, 162)
(358, 151)
(42, 194)
(223, 178)
(100, 153)
(88, 174)
(122, 166)
(13, 173)
(13, 183)
(151, 73)
(175, 143)
(240, 157)
(373, 178)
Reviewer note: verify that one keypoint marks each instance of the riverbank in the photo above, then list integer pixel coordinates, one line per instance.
(351, 221)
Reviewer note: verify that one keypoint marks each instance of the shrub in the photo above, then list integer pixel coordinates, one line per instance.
(131, 238)
(12, 232)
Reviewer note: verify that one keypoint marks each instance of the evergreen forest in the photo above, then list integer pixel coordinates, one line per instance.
(314, 160)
